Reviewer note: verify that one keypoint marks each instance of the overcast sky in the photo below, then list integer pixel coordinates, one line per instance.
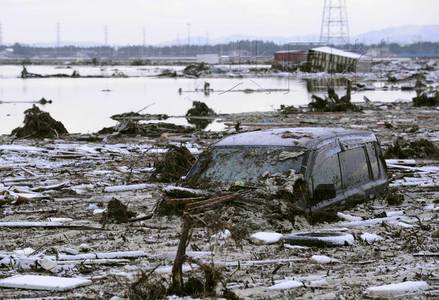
(34, 21)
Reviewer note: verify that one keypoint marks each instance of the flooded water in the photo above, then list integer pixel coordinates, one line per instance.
(86, 104)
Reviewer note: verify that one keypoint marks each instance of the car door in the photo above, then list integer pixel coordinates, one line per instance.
(378, 169)
(357, 178)
(326, 178)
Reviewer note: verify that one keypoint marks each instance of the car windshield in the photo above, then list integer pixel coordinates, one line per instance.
(246, 165)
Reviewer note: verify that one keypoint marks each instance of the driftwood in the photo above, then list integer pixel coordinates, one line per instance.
(189, 222)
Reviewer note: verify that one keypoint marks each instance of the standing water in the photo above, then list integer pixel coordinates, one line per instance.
(86, 104)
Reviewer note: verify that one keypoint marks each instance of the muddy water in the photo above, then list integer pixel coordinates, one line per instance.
(85, 104)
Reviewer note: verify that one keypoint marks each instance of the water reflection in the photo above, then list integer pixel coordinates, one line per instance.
(82, 106)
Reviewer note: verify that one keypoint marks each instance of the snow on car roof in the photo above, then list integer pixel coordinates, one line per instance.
(290, 137)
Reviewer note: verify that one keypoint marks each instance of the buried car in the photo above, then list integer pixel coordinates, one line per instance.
(317, 169)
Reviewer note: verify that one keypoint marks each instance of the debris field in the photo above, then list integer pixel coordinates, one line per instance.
(87, 207)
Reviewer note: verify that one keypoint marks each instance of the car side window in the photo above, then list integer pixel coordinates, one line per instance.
(326, 170)
(355, 169)
(373, 160)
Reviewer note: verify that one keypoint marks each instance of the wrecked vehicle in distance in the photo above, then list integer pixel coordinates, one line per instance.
(316, 169)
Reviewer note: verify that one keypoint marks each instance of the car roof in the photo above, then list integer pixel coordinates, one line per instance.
(304, 137)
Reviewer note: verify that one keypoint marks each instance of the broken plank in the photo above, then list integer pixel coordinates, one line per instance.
(48, 225)
(127, 188)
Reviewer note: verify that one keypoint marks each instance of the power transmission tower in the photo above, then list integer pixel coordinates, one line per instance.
(335, 25)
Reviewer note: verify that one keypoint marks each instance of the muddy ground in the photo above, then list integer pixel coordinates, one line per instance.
(74, 179)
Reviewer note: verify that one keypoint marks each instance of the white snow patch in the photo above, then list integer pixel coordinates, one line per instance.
(323, 259)
(396, 289)
(49, 283)
(348, 217)
(370, 237)
(265, 238)
(286, 285)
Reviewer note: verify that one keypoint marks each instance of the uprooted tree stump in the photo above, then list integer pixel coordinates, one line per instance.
(39, 124)
(195, 215)
(176, 163)
(334, 103)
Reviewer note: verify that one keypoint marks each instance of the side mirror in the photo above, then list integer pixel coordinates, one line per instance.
(324, 192)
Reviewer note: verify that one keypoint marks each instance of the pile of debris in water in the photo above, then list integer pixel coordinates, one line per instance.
(155, 130)
(39, 124)
(200, 115)
(197, 70)
(334, 103)
(429, 99)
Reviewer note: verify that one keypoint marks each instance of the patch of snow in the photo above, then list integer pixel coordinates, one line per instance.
(396, 289)
(288, 246)
(349, 218)
(265, 238)
(49, 283)
(323, 259)
(370, 237)
(286, 285)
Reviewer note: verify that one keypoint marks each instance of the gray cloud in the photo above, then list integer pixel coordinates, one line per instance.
(33, 21)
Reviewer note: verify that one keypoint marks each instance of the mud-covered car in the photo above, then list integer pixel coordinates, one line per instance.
(316, 168)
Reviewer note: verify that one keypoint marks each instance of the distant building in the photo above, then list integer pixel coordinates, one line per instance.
(332, 60)
(211, 59)
(290, 57)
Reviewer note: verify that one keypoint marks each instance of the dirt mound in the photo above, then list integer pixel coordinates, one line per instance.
(117, 212)
(199, 109)
(176, 163)
(403, 149)
(39, 124)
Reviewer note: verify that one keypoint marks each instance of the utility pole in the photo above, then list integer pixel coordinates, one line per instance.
(58, 35)
(143, 41)
(1, 34)
(178, 44)
(188, 38)
(335, 25)
(106, 35)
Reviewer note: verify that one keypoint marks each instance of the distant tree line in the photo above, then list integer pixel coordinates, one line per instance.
(244, 48)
